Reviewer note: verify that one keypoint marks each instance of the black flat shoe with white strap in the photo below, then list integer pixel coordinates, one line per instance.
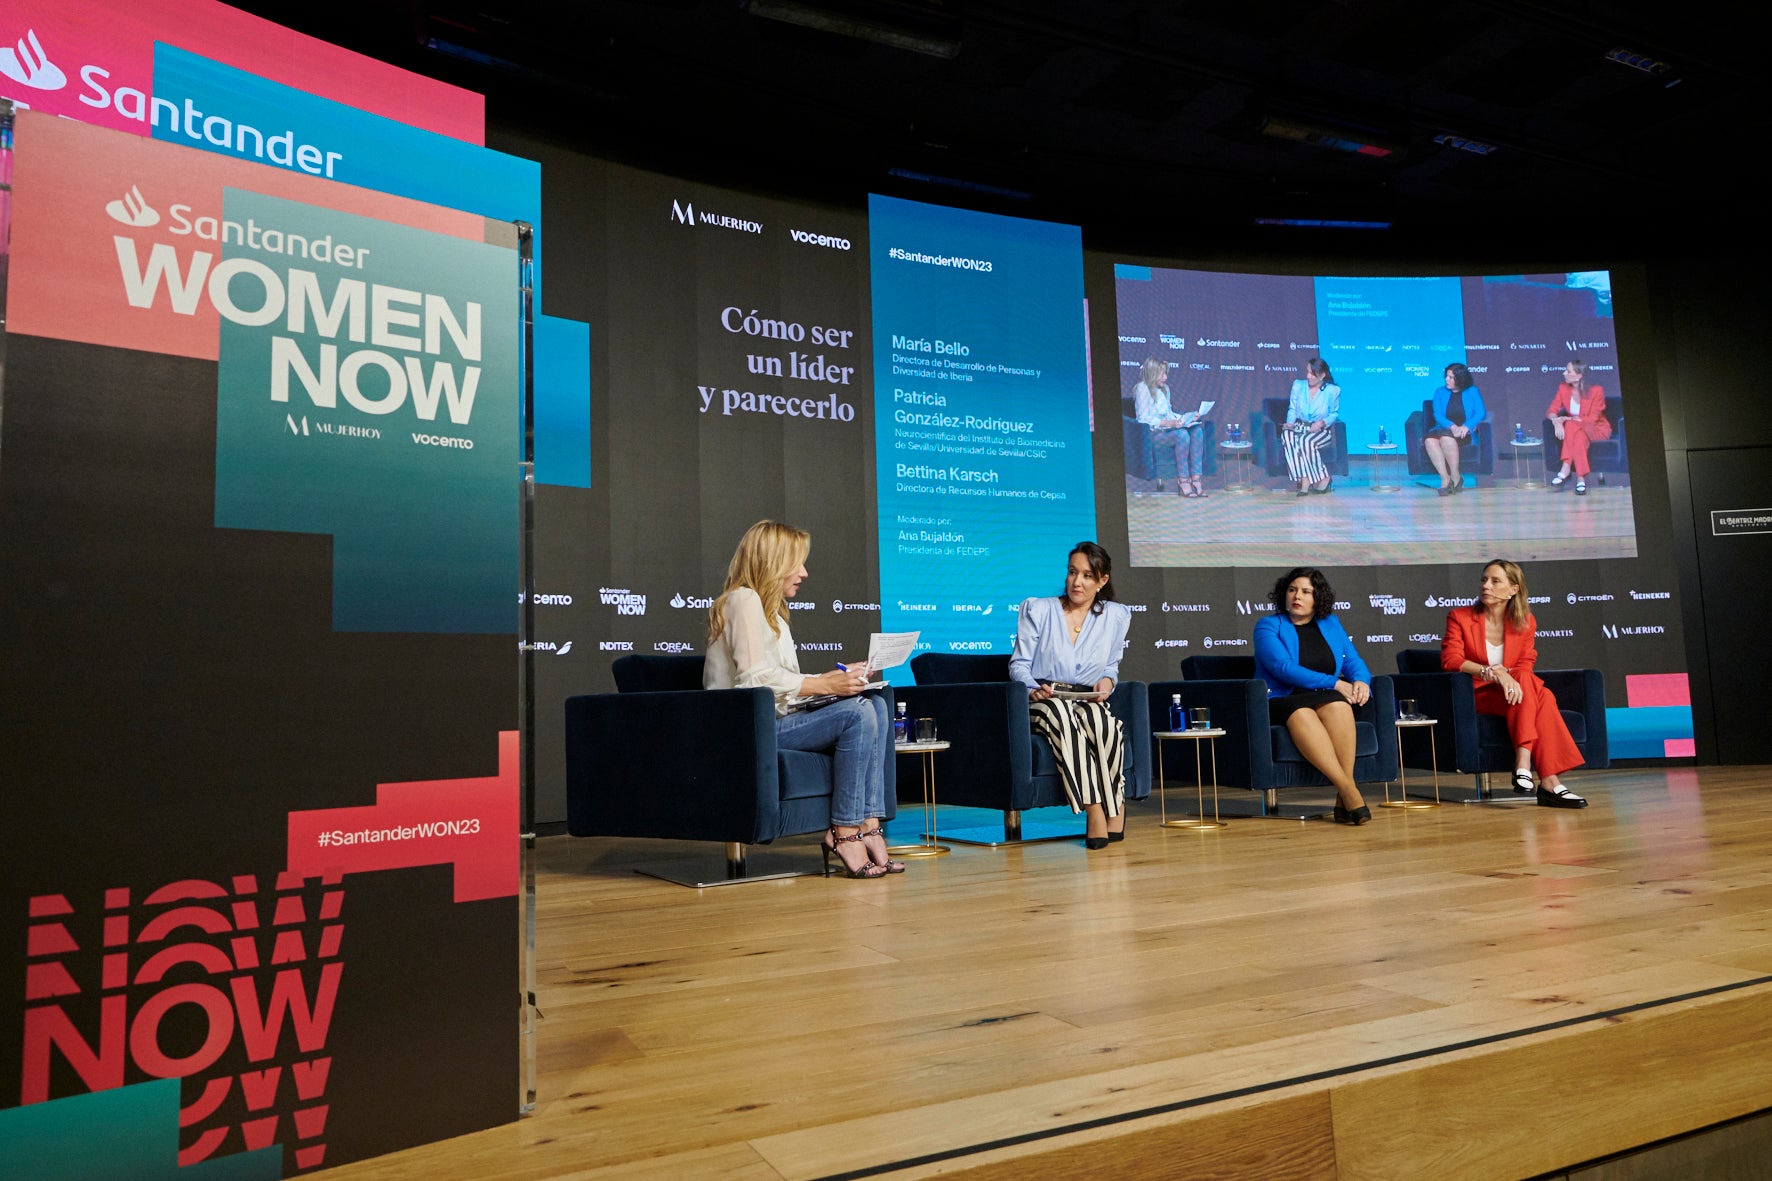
(1523, 783)
(1561, 797)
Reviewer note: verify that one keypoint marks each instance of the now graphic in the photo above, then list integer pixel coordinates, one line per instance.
(27, 64)
(132, 209)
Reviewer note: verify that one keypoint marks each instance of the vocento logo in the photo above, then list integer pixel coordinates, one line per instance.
(625, 601)
(681, 601)
(28, 65)
(547, 600)
(132, 209)
(969, 645)
(811, 239)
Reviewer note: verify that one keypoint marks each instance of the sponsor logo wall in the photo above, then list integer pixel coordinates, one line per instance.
(283, 773)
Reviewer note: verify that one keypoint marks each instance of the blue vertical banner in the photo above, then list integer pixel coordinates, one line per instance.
(1388, 341)
(986, 477)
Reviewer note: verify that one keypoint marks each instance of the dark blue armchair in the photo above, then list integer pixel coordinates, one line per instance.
(1146, 460)
(663, 757)
(996, 760)
(1477, 744)
(1476, 453)
(1257, 753)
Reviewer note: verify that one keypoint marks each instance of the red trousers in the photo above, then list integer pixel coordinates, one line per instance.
(1577, 435)
(1534, 723)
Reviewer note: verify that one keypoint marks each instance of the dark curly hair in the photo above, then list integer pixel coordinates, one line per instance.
(1323, 598)
(1100, 565)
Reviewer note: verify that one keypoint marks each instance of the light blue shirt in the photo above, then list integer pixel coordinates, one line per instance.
(1322, 406)
(1043, 648)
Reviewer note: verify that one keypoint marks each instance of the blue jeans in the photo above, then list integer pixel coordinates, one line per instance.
(858, 733)
(1190, 445)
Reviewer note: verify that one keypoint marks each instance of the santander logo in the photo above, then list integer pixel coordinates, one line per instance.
(26, 63)
(132, 209)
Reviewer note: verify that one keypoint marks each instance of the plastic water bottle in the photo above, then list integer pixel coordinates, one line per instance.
(1236, 432)
(1383, 439)
(1177, 715)
(901, 726)
(1519, 433)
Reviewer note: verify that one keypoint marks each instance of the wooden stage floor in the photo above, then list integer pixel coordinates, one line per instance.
(1477, 991)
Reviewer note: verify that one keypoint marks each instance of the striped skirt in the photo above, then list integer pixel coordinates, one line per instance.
(1090, 746)
(1302, 458)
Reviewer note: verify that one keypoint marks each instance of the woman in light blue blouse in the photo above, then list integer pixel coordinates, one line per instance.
(1312, 412)
(1071, 644)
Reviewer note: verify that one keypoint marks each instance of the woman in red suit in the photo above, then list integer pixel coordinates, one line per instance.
(1577, 415)
(1492, 640)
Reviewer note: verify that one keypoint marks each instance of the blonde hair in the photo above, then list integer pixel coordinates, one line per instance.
(767, 553)
(1154, 369)
(1516, 614)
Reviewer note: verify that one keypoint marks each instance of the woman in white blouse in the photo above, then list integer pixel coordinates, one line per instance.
(750, 646)
(1074, 640)
(1311, 414)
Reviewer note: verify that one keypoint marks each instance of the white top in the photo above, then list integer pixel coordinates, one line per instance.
(1153, 408)
(1044, 651)
(747, 656)
(1494, 653)
(1574, 403)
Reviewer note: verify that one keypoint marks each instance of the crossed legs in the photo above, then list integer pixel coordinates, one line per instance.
(1442, 452)
(1325, 737)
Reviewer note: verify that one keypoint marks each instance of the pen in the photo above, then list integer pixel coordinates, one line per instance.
(841, 667)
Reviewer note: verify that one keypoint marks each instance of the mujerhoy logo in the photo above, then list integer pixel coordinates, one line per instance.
(27, 64)
(132, 209)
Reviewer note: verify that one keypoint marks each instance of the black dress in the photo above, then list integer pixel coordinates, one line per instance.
(1315, 654)
(1454, 415)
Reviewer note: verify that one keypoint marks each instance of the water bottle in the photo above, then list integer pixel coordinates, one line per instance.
(1519, 433)
(1383, 439)
(1177, 715)
(901, 726)
(1236, 432)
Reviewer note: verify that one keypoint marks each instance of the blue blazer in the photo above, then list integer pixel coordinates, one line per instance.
(1474, 410)
(1276, 657)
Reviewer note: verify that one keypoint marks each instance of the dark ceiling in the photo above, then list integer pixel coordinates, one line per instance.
(1156, 124)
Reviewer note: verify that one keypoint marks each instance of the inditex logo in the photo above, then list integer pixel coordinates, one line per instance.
(132, 209)
(615, 645)
(1381, 639)
(27, 64)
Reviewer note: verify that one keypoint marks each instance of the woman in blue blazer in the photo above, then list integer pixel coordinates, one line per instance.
(1458, 410)
(1314, 679)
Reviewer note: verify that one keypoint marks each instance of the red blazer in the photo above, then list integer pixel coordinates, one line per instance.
(1593, 406)
(1466, 639)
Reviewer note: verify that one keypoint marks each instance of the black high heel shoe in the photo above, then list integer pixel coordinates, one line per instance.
(1094, 843)
(877, 852)
(1358, 815)
(832, 843)
(1114, 837)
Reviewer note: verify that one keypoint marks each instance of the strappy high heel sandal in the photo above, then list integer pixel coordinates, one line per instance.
(834, 843)
(877, 852)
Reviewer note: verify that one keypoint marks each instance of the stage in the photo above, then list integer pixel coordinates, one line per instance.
(1488, 991)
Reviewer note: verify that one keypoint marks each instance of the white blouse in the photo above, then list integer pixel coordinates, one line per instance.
(747, 656)
(1494, 653)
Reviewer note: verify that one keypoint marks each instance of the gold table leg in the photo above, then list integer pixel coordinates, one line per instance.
(1403, 776)
(929, 847)
(1198, 822)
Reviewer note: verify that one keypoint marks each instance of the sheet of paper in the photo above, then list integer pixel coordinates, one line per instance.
(888, 649)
